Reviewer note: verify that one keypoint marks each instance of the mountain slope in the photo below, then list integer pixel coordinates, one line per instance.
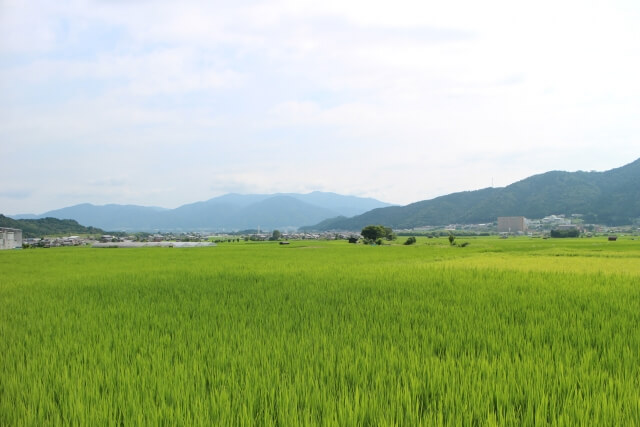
(281, 212)
(611, 197)
(343, 205)
(108, 217)
(47, 226)
(278, 211)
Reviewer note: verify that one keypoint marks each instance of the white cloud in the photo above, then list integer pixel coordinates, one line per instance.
(400, 101)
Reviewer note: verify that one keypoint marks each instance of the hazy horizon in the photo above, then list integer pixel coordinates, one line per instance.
(163, 104)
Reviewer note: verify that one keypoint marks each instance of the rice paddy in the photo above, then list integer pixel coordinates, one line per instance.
(501, 332)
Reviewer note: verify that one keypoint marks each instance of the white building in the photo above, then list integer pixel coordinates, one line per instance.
(511, 224)
(556, 220)
(10, 238)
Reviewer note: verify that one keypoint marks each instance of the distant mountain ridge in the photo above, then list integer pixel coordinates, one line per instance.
(611, 197)
(227, 212)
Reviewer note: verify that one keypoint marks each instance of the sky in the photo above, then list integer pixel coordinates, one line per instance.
(164, 103)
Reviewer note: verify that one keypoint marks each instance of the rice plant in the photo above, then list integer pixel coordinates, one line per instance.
(518, 332)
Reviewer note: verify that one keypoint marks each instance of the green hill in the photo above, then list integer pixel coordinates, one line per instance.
(47, 226)
(611, 197)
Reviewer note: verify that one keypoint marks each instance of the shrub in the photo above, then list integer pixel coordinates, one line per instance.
(410, 241)
(565, 233)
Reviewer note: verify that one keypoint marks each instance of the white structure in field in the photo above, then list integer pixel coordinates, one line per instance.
(10, 238)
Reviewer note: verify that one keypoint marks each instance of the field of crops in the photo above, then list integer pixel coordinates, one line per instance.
(508, 332)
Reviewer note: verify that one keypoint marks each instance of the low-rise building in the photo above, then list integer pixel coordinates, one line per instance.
(10, 238)
(511, 224)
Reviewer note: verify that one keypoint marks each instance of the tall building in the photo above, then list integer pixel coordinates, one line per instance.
(511, 224)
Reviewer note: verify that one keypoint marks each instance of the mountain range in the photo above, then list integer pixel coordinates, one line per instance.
(611, 197)
(227, 212)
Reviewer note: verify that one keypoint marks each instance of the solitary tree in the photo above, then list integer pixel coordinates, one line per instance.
(373, 233)
(276, 235)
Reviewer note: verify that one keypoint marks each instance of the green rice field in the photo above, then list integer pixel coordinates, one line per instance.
(501, 332)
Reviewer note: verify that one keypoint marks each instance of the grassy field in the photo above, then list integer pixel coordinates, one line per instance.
(501, 332)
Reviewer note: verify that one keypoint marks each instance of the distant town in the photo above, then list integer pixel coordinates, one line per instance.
(550, 226)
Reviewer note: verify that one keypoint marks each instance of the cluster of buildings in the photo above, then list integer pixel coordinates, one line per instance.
(302, 236)
(11, 238)
(55, 242)
(522, 225)
(562, 223)
(519, 225)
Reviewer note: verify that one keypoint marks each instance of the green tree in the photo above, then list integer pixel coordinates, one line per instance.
(276, 235)
(373, 232)
(452, 239)
(389, 234)
(565, 233)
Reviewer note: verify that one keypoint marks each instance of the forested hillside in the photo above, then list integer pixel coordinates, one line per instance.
(47, 226)
(611, 197)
